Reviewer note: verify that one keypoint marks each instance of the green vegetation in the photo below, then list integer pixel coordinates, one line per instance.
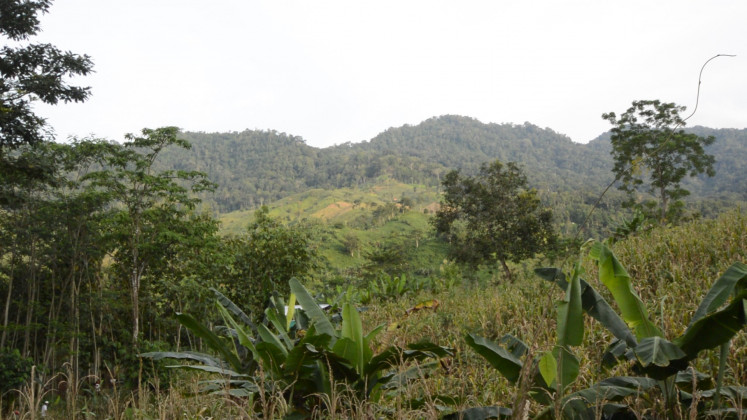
(111, 257)
(501, 219)
(649, 145)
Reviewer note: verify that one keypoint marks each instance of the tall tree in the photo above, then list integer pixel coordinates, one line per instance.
(151, 216)
(652, 153)
(493, 217)
(31, 72)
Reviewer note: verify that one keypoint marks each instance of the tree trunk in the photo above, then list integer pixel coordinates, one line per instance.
(507, 271)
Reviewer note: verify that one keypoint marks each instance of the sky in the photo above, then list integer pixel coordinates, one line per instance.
(343, 71)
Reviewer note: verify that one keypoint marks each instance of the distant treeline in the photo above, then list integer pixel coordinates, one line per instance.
(253, 168)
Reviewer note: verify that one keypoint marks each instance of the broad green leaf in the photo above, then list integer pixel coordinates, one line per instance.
(352, 329)
(268, 337)
(244, 337)
(273, 357)
(312, 309)
(548, 368)
(734, 279)
(308, 349)
(481, 413)
(395, 355)
(614, 276)
(568, 367)
(233, 308)
(612, 389)
(278, 321)
(517, 347)
(498, 357)
(183, 355)
(373, 333)
(594, 305)
(211, 369)
(714, 329)
(571, 315)
(212, 340)
(657, 351)
(291, 311)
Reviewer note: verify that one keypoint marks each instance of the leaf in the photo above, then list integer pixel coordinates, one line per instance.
(715, 329)
(481, 413)
(657, 351)
(498, 357)
(517, 347)
(244, 338)
(312, 309)
(268, 337)
(568, 366)
(571, 315)
(211, 369)
(395, 355)
(427, 304)
(614, 389)
(233, 308)
(594, 305)
(183, 355)
(291, 311)
(614, 276)
(734, 278)
(212, 340)
(548, 368)
(352, 329)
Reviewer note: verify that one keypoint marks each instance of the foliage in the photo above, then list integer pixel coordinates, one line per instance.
(503, 220)
(32, 72)
(638, 339)
(266, 258)
(303, 357)
(151, 210)
(648, 145)
(664, 363)
(14, 370)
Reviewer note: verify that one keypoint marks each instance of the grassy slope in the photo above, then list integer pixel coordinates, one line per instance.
(350, 211)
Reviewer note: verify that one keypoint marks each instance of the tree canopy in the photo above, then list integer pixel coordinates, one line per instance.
(493, 217)
(652, 153)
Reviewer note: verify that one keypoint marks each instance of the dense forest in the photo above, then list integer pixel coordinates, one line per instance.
(253, 168)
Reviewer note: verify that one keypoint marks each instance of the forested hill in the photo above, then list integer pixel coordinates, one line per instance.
(256, 167)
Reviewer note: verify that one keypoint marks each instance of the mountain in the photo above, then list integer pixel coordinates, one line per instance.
(256, 167)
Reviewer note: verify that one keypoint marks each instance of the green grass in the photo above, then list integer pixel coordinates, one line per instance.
(671, 269)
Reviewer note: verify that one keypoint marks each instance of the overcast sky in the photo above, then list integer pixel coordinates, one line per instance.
(339, 71)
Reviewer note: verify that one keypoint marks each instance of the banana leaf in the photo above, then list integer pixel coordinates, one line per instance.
(614, 276)
(498, 357)
(233, 308)
(481, 413)
(311, 307)
(594, 305)
(733, 280)
(212, 340)
(714, 329)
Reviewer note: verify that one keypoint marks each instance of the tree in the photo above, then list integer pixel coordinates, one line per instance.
(151, 215)
(266, 258)
(28, 73)
(32, 72)
(493, 217)
(649, 146)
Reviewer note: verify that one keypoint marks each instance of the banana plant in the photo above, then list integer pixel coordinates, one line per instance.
(300, 353)
(552, 373)
(662, 362)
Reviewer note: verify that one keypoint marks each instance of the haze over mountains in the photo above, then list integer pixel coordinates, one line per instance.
(253, 168)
